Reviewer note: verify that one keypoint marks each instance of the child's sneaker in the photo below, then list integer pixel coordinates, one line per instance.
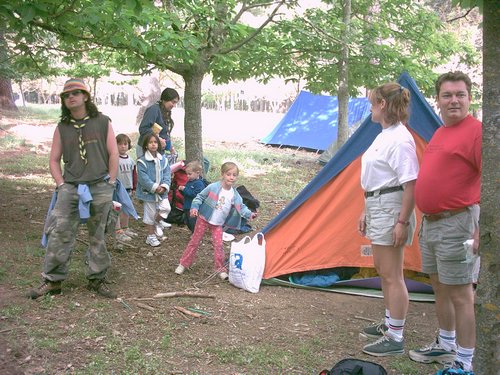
(223, 275)
(129, 232)
(151, 240)
(227, 237)
(180, 269)
(121, 236)
(164, 224)
(158, 230)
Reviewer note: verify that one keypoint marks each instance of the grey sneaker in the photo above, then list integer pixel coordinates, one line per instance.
(375, 331)
(47, 287)
(223, 275)
(101, 287)
(384, 346)
(433, 352)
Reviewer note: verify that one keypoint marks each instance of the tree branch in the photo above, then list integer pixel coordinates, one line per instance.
(256, 32)
(321, 31)
(95, 41)
(462, 16)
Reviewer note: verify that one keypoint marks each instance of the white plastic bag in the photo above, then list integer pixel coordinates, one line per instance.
(247, 261)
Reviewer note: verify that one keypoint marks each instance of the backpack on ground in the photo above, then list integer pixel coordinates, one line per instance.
(175, 197)
(353, 366)
(252, 203)
(248, 199)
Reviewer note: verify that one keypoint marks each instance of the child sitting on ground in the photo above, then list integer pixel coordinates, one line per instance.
(127, 175)
(153, 185)
(218, 205)
(194, 185)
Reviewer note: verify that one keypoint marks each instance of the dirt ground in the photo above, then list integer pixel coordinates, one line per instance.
(276, 331)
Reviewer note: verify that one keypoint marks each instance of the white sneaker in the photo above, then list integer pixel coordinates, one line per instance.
(227, 237)
(152, 240)
(180, 269)
(129, 232)
(164, 224)
(122, 237)
(158, 230)
(223, 275)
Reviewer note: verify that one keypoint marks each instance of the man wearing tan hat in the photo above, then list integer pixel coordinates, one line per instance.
(85, 141)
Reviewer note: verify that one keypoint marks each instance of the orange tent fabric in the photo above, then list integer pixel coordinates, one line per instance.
(322, 232)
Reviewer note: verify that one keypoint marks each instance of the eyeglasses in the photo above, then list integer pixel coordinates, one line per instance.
(66, 95)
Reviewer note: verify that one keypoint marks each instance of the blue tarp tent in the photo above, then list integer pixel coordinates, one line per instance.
(311, 121)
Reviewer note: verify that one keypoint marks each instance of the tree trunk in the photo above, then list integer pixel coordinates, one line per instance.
(192, 115)
(20, 84)
(6, 97)
(487, 303)
(343, 91)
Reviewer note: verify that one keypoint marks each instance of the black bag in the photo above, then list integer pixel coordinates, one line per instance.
(175, 216)
(353, 366)
(248, 199)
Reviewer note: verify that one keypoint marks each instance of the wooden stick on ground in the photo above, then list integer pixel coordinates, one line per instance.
(144, 306)
(187, 312)
(182, 294)
(367, 319)
(120, 242)
(125, 244)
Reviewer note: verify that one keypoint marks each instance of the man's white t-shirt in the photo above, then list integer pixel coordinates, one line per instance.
(391, 160)
(222, 207)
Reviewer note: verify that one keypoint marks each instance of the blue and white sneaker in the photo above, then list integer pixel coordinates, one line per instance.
(455, 368)
(433, 352)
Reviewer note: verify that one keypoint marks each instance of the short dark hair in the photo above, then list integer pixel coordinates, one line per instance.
(145, 142)
(454, 77)
(169, 94)
(122, 138)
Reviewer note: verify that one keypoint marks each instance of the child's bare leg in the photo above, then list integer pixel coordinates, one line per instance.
(123, 221)
(118, 223)
(158, 218)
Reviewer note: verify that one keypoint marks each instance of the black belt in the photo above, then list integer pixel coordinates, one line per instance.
(383, 191)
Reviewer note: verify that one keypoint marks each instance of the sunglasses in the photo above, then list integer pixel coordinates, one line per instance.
(66, 95)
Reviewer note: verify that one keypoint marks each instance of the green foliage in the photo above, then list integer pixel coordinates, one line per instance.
(192, 39)
(468, 4)
(386, 38)
(134, 36)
